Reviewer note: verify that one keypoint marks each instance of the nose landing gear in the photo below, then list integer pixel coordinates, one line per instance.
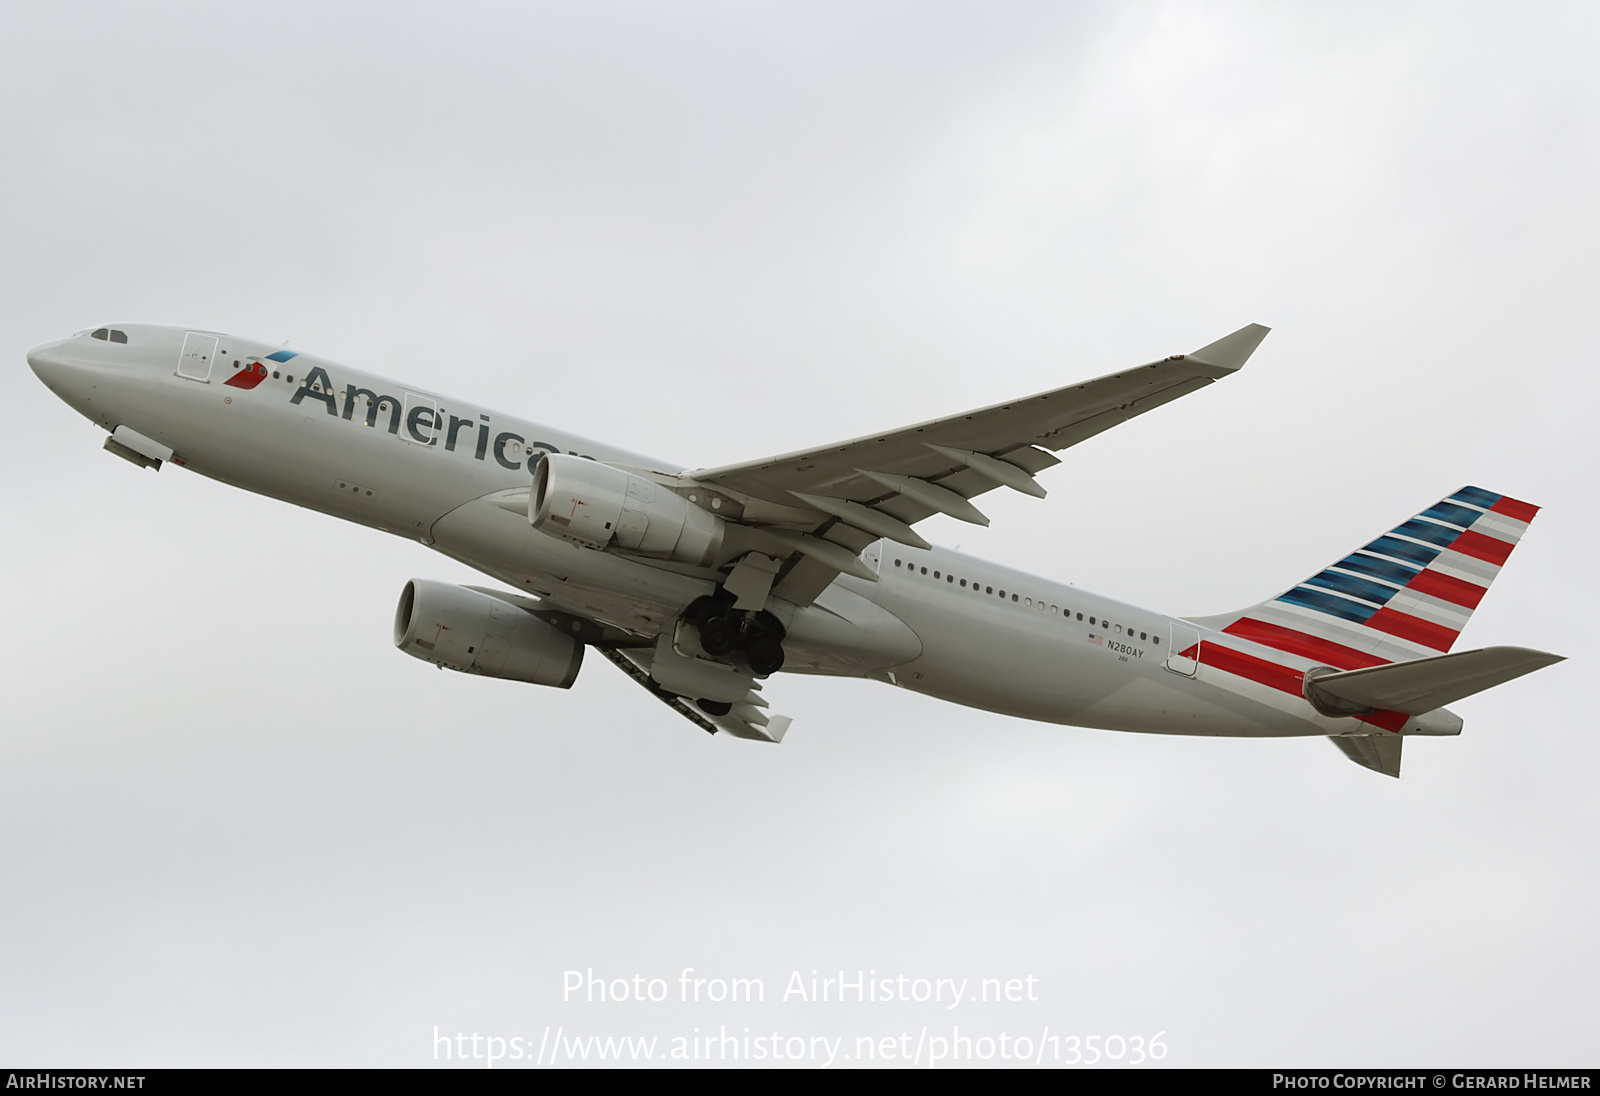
(724, 631)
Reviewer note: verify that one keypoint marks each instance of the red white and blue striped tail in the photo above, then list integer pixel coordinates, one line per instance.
(1405, 595)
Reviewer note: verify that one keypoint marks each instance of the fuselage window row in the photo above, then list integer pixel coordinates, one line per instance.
(1067, 614)
(263, 371)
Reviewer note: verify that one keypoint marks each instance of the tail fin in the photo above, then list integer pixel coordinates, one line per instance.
(1403, 596)
(1381, 755)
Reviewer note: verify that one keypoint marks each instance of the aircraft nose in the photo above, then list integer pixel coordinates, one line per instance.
(47, 362)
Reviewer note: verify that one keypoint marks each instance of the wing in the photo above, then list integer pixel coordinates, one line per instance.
(746, 719)
(829, 503)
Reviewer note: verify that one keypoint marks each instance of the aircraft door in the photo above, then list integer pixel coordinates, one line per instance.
(419, 424)
(194, 361)
(1183, 656)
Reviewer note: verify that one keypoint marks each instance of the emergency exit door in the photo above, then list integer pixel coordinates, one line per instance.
(1183, 657)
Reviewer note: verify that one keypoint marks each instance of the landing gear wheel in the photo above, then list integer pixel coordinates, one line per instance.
(714, 707)
(765, 653)
(719, 636)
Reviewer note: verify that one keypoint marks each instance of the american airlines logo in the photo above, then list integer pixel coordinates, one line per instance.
(248, 378)
(424, 421)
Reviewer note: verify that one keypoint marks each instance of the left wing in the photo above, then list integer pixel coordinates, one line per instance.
(827, 504)
(745, 719)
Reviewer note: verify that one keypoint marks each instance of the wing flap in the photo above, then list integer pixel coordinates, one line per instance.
(1030, 458)
(802, 583)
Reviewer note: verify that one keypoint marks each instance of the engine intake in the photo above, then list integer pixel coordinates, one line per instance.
(601, 506)
(475, 633)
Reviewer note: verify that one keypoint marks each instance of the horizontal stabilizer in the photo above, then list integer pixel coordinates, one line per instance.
(1380, 753)
(1424, 684)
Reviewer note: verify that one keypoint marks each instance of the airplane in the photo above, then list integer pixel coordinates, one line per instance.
(701, 584)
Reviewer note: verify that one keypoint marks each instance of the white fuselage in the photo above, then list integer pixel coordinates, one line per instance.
(430, 467)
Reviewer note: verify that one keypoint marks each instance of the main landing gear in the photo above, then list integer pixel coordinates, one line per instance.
(724, 631)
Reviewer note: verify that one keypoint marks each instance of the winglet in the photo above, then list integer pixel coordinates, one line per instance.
(1231, 351)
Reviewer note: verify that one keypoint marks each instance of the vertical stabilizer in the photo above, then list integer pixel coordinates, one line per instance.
(1381, 754)
(1403, 596)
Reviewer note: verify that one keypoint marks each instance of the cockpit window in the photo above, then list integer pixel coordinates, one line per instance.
(100, 333)
(119, 336)
(109, 334)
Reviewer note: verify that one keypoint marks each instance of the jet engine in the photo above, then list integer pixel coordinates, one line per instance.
(598, 505)
(475, 633)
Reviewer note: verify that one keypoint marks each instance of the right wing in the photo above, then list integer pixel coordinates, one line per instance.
(834, 500)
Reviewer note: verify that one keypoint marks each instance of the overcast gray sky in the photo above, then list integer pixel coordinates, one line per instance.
(238, 827)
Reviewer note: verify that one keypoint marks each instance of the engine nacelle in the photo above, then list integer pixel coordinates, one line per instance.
(477, 634)
(598, 505)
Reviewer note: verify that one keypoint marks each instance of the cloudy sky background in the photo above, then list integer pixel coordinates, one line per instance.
(238, 827)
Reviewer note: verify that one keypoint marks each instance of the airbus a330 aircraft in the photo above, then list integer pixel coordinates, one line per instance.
(702, 584)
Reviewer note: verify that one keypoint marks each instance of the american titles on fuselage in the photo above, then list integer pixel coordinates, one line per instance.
(423, 419)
